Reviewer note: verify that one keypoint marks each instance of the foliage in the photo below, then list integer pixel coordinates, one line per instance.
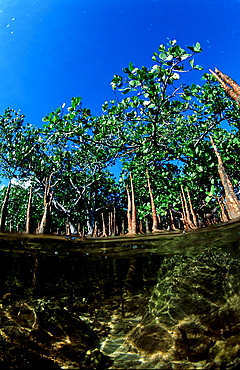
(156, 122)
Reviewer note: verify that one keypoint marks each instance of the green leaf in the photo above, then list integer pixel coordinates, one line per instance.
(125, 91)
(195, 48)
(200, 68)
(163, 56)
(191, 63)
(186, 97)
(208, 199)
(131, 67)
(168, 58)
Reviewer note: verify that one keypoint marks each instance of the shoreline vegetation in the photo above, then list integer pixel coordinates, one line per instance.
(186, 220)
(180, 167)
(128, 238)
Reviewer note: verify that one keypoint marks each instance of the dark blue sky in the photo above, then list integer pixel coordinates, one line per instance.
(52, 50)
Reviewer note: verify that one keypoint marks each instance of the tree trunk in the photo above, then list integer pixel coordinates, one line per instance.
(109, 223)
(233, 90)
(129, 212)
(114, 220)
(44, 227)
(223, 215)
(134, 212)
(104, 233)
(59, 207)
(183, 213)
(141, 227)
(155, 227)
(29, 226)
(90, 223)
(172, 225)
(191, 210)
(4, 208)
(123, 227)
(95, 230)
(147, 225)
(188, 221)
(232, 203)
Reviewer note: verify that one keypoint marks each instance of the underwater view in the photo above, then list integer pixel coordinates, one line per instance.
(119, 185)
(169, 300)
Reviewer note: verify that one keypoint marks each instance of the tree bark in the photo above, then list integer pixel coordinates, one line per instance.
(44, 227)
(195, 223)
(104, 232)
(123, 227)
(129, 212)
(114, 220)
(147, 225)
(186, 213)
(4, 209)
(134, 211)
(29, 226)
(233, 90)
(172, 225)
(110, 223)
(232, 202)
(155, 227)
(223, 215)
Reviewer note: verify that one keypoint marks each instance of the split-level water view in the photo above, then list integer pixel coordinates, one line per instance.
(169, 300)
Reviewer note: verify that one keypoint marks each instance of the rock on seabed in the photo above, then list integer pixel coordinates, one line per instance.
(193, 318)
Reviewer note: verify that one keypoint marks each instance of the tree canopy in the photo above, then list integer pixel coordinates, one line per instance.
(157, 125)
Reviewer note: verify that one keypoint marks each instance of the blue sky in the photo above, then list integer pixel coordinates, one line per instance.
(51, 50)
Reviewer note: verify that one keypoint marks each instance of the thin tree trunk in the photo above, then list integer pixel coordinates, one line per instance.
(44, 227)
(67, 228)
(123, 227)
(129, 212)
(223, 215)
(155, 227)
(4, 208)
(141, 227)
(172, 226)
(232, 203)
(90, 224)
(95, 230)
(114, 220)
(83, 231)
(29, 226)
(147, 225)
(191, 210)
(58, 206)
(104, 233)
(109, 223)
(183, 213)
(134, 211)
(186, 211)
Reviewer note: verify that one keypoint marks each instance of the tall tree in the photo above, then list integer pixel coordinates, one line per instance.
(232, 203)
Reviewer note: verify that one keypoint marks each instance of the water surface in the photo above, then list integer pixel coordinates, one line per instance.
(167, 300)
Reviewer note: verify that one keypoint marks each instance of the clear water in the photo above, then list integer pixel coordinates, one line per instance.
(157, 301)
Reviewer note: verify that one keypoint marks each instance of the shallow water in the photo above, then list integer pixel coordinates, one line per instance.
(167, 300)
